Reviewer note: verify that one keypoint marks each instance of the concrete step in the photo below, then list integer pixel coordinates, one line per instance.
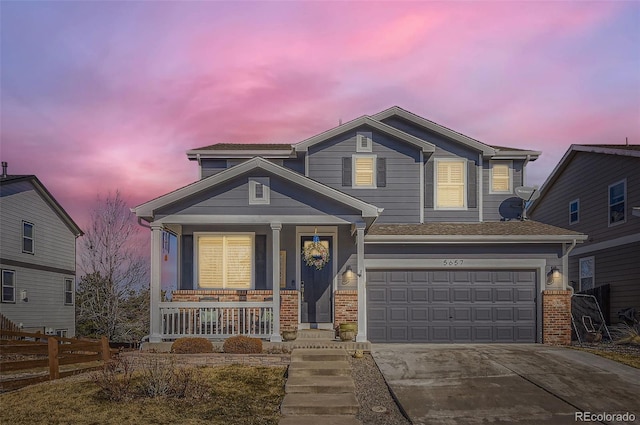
(318, 355)
(316, 334)
(322, 368)
(319, 420)
(320, 384)
(319, 404)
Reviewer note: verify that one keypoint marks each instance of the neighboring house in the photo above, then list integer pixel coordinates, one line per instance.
(595, 189)
(37, 257)
(421, 224)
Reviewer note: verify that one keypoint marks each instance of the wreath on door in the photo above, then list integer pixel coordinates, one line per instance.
(315, 253)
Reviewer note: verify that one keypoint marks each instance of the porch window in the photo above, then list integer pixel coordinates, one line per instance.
(451, 191)
(225, 261)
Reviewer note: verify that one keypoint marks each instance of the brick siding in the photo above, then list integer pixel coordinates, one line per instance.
(346, 306)
(288, 310)
(556, 317)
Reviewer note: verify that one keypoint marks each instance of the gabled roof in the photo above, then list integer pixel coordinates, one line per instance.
(622, 150)
(364, 120)
(514, 231)
(47, 197)
(242, 150)
(147, 210)
(496, 152)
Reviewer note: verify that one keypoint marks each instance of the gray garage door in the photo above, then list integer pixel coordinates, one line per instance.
(451, 306)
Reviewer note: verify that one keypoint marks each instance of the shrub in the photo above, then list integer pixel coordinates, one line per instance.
(242, 345)
(115, 379)
(192, 346)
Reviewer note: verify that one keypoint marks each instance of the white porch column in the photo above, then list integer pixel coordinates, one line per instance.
(275, 252)
(156, 265)
(362, 290)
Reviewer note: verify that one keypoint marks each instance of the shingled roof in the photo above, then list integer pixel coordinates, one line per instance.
(244, 147)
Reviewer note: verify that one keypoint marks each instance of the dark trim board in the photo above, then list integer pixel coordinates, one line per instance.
(14, 263)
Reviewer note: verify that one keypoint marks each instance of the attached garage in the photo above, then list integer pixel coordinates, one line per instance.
(451, 306)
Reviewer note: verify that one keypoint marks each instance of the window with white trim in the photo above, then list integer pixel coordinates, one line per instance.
(587, 273)
(259, 192)
(451, 187)
(364, 141)
(574, 211)
(364, 171)
(617, 202)
(68, 291)
(501, 177)
(8, 286)
(27, 237)
(225, 260)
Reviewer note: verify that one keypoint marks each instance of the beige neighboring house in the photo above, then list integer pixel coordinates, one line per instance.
(37, 257)
(595, 189)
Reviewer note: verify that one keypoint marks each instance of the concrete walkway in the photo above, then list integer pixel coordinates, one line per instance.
(510, 384)
(319, 390)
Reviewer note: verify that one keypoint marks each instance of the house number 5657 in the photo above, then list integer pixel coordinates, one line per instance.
(452, 263)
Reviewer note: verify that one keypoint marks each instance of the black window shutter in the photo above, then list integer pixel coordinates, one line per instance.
(261, 261)
(472, 185)
(428, 184)
(187, 262)
(381, 175)
(346, 171)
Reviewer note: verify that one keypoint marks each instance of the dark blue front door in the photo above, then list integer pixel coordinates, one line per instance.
(316, 297)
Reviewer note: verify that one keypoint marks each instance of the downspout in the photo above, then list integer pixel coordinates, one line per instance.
(524, 170)
(565, 264)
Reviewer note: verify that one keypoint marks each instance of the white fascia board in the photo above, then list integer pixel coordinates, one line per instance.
(147, 209)
(531, 155)
(382, 127)
(233, 154)
(430, 125)
(471, 239)
(250, 219)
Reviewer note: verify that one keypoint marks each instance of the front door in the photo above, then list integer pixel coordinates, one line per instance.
(316, 286)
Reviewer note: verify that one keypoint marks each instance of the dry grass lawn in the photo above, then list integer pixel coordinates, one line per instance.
(239, 395)
(629, 359)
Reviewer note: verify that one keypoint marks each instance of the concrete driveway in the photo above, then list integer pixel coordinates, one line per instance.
(506, 384)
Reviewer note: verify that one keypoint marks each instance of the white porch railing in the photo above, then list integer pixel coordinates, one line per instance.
(216, 319)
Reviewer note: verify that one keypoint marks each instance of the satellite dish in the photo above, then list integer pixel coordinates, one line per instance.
(528, 193)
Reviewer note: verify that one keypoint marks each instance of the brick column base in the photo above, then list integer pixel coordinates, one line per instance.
(556, 317)
(288, 310)
(345, 306)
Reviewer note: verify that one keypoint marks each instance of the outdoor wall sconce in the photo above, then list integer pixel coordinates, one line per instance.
(348, 274)
(23, 296)
(553, 274)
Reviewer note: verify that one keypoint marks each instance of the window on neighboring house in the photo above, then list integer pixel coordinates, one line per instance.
(27, 237)
(364, 171)
(587, 273)
(8, 286)
(450, 181)
(68, 291)
(574, 211)
(259, 192)
(617, 204)
(501, 177)
(225, 261)
(364, 141)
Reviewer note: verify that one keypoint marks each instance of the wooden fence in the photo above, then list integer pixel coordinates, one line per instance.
(7, 324)
(45, 351)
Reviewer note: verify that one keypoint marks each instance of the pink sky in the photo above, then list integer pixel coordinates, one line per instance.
(99, 96)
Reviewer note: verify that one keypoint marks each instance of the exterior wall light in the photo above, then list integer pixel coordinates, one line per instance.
(553, 275)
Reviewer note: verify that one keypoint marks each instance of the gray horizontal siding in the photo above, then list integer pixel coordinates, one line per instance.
(401, 196)
(45, 308)
(618, 267)
(210, 167)
(54, 243)
(502, 206)
(286, 198)
(587, 178)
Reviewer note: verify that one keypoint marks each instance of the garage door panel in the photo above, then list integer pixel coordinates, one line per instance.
(451, 306)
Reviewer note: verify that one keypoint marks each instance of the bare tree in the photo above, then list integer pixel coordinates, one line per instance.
(115, 273)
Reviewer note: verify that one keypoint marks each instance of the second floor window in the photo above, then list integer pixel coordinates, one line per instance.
(617, 204)
(364, 167)
(27, 237)
(574, 211)
(450, 181)
(500, 178)
(68, 291)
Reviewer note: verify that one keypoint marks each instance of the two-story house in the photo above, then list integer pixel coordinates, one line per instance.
(595, 189)
(37, 257)
(392, 221)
